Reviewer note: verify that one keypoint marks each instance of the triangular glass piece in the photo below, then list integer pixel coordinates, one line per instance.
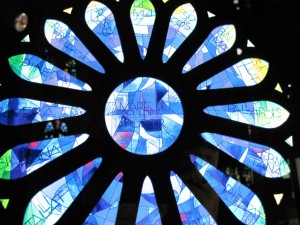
(260, 158)
(34, 69)
(278, 198)
(250, 44)
(68, 10)
(210, 15)
(101, 21)
(190, 209)
(26, 38)
(247, 72)
(19, 111)
(23, 159)
(240, 200)
(220, 40)
(265, 114)
(105, 212)
(278, 88)
(4, 202)
(182, 23)
(142, 15)
(148, 212)
(289, 141)
(60, 36)
(49, 204)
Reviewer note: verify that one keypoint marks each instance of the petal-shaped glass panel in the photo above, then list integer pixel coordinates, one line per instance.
(218, 41)
(49, 204)
(101, 21)
(142, 15)
(262, 159)
(106, 209)
(265, 114)
(60, 36)
(190, 209)
(247, 72)
(34, 69)
(19, 111)
(240, 200)
(148, 211)
(183, 21)
(23, 159)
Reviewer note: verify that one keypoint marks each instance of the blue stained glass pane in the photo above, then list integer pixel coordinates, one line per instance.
(218, 41)
(142, 15)
(263, 114)
(182, 23)
(247, 72)
(106, 209)
(23, 159)
(19, 111)
(49, 204)
(262, 159)
(34, 69)
(101, 21)
(240, 200)
(148, 211)
(190, 209)
(60, 36)
(144, 116)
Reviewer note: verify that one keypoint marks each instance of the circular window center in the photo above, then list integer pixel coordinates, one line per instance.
(144, 116)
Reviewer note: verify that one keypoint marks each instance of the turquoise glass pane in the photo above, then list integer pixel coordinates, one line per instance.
(34, 69)
(144, 116)
(265, 114)
(190, 209)
(239, 199)
(19, 111)
(49, 204)
(101, 21)
(182, 23)
(23, 159)
(142, 15)
(218, 41)
(105, 212)
(60, 36)
(148, 211)
(262, 159)
(247, 72)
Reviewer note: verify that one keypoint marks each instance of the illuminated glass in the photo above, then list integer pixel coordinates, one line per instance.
(144, 116)
(142, 15)
(241, 201)
(49, 204)
(101, 21)
(23, 159)
(19, 111)
(34, 69)
(182, 23)
(220, 40)
(264, 114)
(60, 36)
(262, 159)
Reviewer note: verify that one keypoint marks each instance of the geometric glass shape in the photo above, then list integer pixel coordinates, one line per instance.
(60, 36)
(20, 111)
(4, 202)
(182, 23)
(101, 21)
(148, 211)
(34, 69)
(142, 15)
(144, 116)
(265, 114)
(49, 204)
(247, 72)
(68, 10)
(23, 159)
(289, 141)
(26, 38)
(220, 40)
(190, 209)
(262, 159)
(239, 199)
(278, 198)
(278, 88)
(105, 212)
